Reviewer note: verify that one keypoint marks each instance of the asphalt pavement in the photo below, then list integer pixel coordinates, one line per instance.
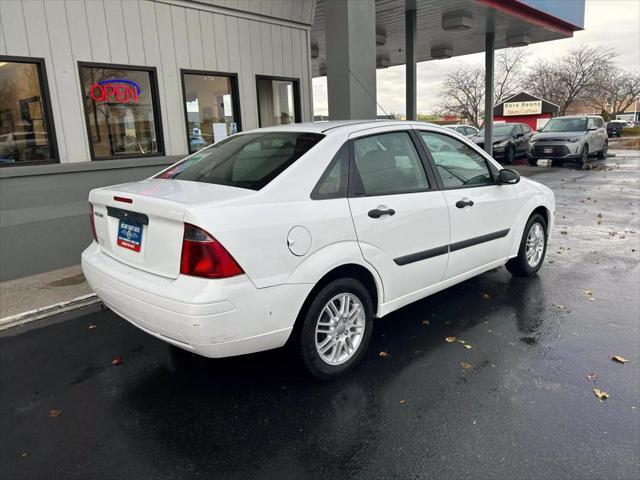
(518, 404)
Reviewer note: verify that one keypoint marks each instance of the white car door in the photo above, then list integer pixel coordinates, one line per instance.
(482, 213)
(401, 218)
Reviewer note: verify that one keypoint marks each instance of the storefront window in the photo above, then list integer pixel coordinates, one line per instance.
(25, 129)
(210, 107)
(122, 111)
(278, 101)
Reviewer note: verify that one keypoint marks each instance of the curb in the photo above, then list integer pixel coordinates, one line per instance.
(43, 312)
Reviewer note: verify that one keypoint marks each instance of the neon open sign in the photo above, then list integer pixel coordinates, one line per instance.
(115, 90)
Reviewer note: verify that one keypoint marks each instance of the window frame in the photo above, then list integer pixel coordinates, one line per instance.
(47, 111)
(475, 148)
(155, 100)
(297, 111)
(235, 100)
(344, 186)
(355, 185)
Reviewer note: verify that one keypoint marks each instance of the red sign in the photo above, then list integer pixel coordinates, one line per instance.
(115, 91)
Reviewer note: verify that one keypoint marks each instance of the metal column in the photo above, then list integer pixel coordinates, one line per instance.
(410, 23)
(350, 32)
(489, 54)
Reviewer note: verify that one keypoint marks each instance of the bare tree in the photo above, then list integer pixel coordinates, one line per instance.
(618, 88)
(462, 91)
(571, 78)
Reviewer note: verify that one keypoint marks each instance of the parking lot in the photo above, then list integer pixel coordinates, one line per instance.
(518, 404)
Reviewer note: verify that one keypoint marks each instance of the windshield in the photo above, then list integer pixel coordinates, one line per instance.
(499, 130)
(565, 125)
(250, 160)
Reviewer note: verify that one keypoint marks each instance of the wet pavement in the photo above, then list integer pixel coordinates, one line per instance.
(523, 407)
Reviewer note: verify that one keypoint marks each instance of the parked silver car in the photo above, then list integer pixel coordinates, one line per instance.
(572, 138)
(466, 130)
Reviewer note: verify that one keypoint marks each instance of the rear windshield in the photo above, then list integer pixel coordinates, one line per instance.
(250, 160)
(565, 125)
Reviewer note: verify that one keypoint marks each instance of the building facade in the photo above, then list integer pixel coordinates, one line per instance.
(100, 92)
(102, 80)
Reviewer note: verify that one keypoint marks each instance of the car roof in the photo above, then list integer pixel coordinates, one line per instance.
(340, 125)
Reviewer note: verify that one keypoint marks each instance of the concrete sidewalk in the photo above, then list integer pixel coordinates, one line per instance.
(42, 290)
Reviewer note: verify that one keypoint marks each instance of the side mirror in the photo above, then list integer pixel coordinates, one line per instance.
(591, 129)
(519, 135)
(538, 129)
(508, 176)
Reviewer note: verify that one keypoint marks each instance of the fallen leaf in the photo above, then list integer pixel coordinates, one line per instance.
(591, 377)
(559, 307)
(55, 413)
(92, 327)
(425, 322)
(589, 295)
(462, 342)
(466, 366)
(601, 394)
(563, 232)
(117, 361)
(486, 296)
(620, 359)
(24, 454)
(384, 354)
(402, 401)
(450, 339)
(467, 346)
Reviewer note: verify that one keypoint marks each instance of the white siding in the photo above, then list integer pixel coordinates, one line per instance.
(243, 37)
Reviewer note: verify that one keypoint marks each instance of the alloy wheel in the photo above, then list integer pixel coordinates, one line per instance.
(535, 245)
(340, 329)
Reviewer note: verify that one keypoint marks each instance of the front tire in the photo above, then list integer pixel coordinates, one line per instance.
(336, 329)
(584, 155)
(533, 248)
(509, 154)
(602, 154)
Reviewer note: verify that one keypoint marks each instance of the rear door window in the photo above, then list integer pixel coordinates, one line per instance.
(388, 163)
(249, 160)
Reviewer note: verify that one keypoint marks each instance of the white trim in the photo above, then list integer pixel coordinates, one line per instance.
(526, 93)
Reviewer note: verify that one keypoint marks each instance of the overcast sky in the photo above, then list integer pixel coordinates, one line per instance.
(615, 23)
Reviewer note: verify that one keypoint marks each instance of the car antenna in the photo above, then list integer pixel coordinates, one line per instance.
(368, 93)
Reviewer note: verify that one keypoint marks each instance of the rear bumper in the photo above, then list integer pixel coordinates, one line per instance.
(214, 318)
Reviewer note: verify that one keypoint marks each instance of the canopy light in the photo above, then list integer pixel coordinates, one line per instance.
(518, 40)
(381, 36)
(456, 21)
(440, 53)
(383, 61)
(315, 50)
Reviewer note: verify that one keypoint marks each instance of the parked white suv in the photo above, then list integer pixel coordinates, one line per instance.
(306, 233)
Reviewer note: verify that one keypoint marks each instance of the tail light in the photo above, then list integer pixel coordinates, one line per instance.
(204, 256)
(93, 223)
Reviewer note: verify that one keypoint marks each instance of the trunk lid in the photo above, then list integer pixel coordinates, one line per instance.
(141, 224)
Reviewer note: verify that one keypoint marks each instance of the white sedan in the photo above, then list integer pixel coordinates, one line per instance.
(305, 233)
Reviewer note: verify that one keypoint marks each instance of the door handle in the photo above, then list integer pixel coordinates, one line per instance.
(465, 202)
(378, 212)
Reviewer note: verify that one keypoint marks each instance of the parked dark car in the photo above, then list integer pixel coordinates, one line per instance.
(614, 128)
(510, 140)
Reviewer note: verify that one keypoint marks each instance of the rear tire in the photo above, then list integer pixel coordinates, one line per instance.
(533, 247)
(533, 162)
(336, 329)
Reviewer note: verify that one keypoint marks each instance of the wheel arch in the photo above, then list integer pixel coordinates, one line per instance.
(348, 270)
(537, 205)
